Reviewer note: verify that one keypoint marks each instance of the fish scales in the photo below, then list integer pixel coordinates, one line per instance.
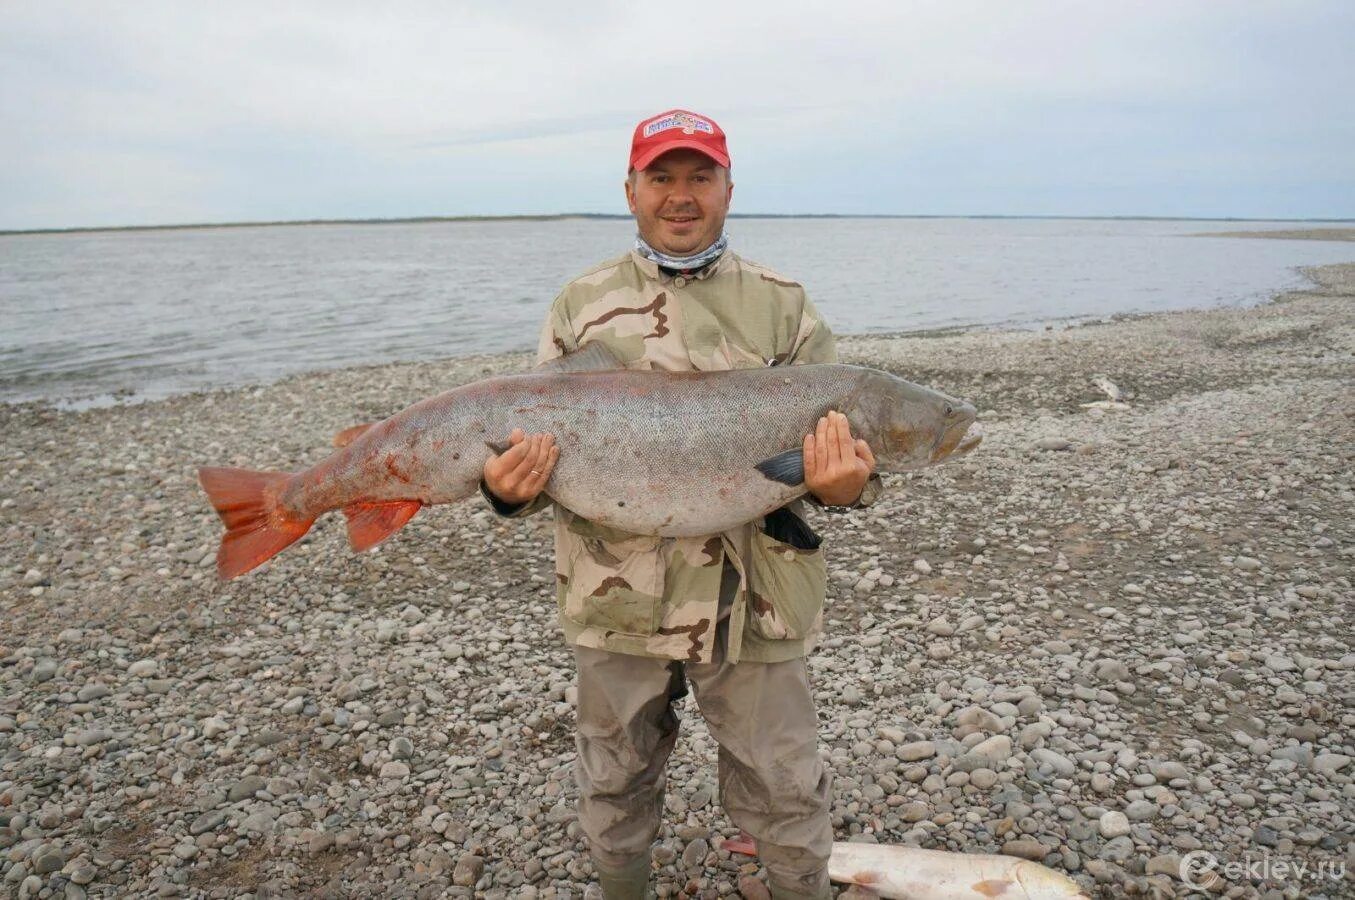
(906, 873)
(670, 454)
(677, 456)
(659, 453)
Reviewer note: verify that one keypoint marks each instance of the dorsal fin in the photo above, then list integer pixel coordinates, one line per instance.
(591, 357)
(351, 434)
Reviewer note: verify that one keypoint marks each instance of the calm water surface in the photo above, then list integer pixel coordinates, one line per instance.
(153, 313)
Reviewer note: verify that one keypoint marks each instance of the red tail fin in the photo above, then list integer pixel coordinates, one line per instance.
(256, 530)
(371, 523)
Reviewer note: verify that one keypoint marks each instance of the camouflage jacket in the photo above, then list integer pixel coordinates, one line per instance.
(659, 597)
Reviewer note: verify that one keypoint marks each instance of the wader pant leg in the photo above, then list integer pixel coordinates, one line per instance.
(626, 731)
(772, 782)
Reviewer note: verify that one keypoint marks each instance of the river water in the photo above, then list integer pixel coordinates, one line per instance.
(144, 314)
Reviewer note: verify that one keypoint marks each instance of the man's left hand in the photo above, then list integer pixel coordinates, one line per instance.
(836, 467)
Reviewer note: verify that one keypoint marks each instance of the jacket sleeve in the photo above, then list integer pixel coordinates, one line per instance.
(813, 339)
(557, 339)
(557, 333)
(814, 344)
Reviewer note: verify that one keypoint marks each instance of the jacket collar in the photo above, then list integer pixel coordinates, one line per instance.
(654, 273)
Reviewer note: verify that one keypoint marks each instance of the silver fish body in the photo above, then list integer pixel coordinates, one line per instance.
(672, 454)
(913, 873)
(657, 453)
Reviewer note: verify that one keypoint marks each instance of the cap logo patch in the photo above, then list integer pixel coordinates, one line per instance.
(688, 123)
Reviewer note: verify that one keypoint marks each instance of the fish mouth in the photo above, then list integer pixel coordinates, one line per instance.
(957, 440)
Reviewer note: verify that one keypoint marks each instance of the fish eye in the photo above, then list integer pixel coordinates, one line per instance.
(950, 411)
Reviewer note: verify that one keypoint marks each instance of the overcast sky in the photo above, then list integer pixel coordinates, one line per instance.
(149, 112)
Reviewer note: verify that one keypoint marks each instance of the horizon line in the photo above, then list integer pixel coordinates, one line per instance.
(551, 217)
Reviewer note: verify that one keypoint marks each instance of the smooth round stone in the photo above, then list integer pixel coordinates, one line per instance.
(142, 668)
(47, 859)
(1113, 824)
(915, 751)
(1117, 849)
(1141, 811)
(1026, 849)
(395, 769)
(207, 821)
(983, 779)
(914, 812)
(695, 853)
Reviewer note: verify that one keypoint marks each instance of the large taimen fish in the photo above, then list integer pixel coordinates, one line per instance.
(660, 453)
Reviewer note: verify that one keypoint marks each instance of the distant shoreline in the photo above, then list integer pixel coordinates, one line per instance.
(1317, 276)
(1296, 234)
(558, 217)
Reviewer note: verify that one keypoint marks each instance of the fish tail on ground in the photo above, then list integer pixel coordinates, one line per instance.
(256, 528)
(744, 844)
(371, 523)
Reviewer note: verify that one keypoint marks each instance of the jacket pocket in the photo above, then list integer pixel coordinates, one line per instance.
(613, 580)
(786, 586)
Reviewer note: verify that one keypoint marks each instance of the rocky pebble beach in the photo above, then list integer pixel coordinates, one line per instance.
(1107, 640)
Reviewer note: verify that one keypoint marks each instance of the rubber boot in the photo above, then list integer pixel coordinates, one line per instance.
(780, 892)
(630, 882)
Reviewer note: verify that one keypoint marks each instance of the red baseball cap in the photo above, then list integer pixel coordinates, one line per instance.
(673, 129)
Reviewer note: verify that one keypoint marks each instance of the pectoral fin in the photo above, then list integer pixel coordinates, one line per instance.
(787, 468)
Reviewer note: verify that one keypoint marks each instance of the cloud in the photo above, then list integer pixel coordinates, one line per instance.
(347, 109)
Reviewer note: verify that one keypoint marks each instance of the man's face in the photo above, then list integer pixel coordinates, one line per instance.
(680, 202)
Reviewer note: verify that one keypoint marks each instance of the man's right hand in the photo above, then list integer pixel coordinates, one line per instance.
(520, 473)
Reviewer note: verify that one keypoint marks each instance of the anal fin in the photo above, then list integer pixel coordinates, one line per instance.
(371, 523)
(787, 468)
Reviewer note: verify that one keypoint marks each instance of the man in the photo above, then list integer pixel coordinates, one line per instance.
(732, 613)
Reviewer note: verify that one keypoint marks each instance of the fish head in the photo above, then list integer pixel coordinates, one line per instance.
(910, 426)
(960, 434)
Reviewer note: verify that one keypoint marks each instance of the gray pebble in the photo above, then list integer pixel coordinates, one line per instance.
(208, 821)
